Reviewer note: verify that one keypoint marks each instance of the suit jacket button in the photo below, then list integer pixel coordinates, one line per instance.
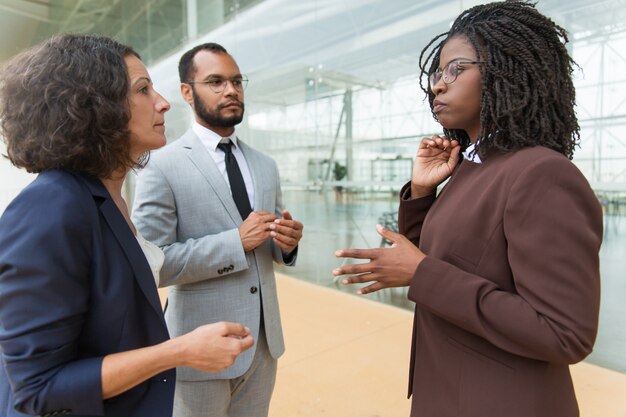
(253, 290)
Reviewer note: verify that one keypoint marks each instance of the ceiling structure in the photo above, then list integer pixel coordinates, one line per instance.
(323, 23)
(299, 50)
(337, 43)
(321, 45)
(295, 44)
(153, 27)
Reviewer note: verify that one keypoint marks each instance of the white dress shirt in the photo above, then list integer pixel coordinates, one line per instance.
(154, 255)
(472, 157)
(210, 140)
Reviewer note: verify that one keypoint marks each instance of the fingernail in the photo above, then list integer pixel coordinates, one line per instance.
(273, 234)
(336, 272)
(338, 253)
(272, 226)
(379, 227)
(345, 281)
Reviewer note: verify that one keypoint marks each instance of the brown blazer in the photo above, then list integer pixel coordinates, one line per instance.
(508, 295)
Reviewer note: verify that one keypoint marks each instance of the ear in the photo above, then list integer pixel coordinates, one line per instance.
(187, 93)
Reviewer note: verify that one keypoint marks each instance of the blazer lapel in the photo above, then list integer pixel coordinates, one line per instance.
(128, 243)
(203, 162)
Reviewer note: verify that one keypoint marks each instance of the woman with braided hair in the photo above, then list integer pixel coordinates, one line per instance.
(503, 263)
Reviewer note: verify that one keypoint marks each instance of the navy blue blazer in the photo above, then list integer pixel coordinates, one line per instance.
(74, 287)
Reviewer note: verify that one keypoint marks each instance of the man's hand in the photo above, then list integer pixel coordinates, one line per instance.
(214, 347)
(286, 232)
(255, 229)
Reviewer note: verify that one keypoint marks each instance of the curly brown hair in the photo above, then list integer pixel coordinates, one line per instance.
(528, 95)
(64, 104)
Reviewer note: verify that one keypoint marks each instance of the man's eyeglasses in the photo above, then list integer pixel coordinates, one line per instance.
(218, 84)
(449, 72)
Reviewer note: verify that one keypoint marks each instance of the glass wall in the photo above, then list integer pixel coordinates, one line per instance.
(334, 98)
(154, 28)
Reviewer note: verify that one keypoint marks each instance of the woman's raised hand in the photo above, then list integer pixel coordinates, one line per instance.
(434, 162)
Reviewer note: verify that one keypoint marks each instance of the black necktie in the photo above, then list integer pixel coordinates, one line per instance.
(237, 185)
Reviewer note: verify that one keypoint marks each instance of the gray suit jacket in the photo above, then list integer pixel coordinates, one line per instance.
(184, 205)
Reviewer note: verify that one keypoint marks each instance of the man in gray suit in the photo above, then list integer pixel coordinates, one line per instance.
(213, 204)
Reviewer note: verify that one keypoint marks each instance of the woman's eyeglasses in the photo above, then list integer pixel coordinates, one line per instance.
(449, 73)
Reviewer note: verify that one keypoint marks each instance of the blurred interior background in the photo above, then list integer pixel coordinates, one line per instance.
(334, 97)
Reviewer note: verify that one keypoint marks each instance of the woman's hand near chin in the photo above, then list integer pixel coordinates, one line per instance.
(434, 162)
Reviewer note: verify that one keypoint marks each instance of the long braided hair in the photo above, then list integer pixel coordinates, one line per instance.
(527, 96)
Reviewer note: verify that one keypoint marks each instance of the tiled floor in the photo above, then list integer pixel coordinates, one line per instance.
(348, 357)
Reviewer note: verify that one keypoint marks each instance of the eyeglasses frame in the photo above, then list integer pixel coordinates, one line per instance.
(442, 71)
(244, 82)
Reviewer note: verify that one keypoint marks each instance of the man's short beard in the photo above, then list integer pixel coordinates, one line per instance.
(214, 118)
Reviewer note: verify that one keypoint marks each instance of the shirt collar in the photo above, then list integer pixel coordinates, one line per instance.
(471, 154)
(210, 137)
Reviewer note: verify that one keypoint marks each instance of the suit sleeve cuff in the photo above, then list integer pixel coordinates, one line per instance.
(79, 388)
(290, 258)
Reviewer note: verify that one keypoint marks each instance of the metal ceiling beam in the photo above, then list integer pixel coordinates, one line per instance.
(35, 10)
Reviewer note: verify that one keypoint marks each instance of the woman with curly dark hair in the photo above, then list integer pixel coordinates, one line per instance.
(81, 326)
(503, 263)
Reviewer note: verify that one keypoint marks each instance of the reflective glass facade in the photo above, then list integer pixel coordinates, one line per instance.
(334, 98)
